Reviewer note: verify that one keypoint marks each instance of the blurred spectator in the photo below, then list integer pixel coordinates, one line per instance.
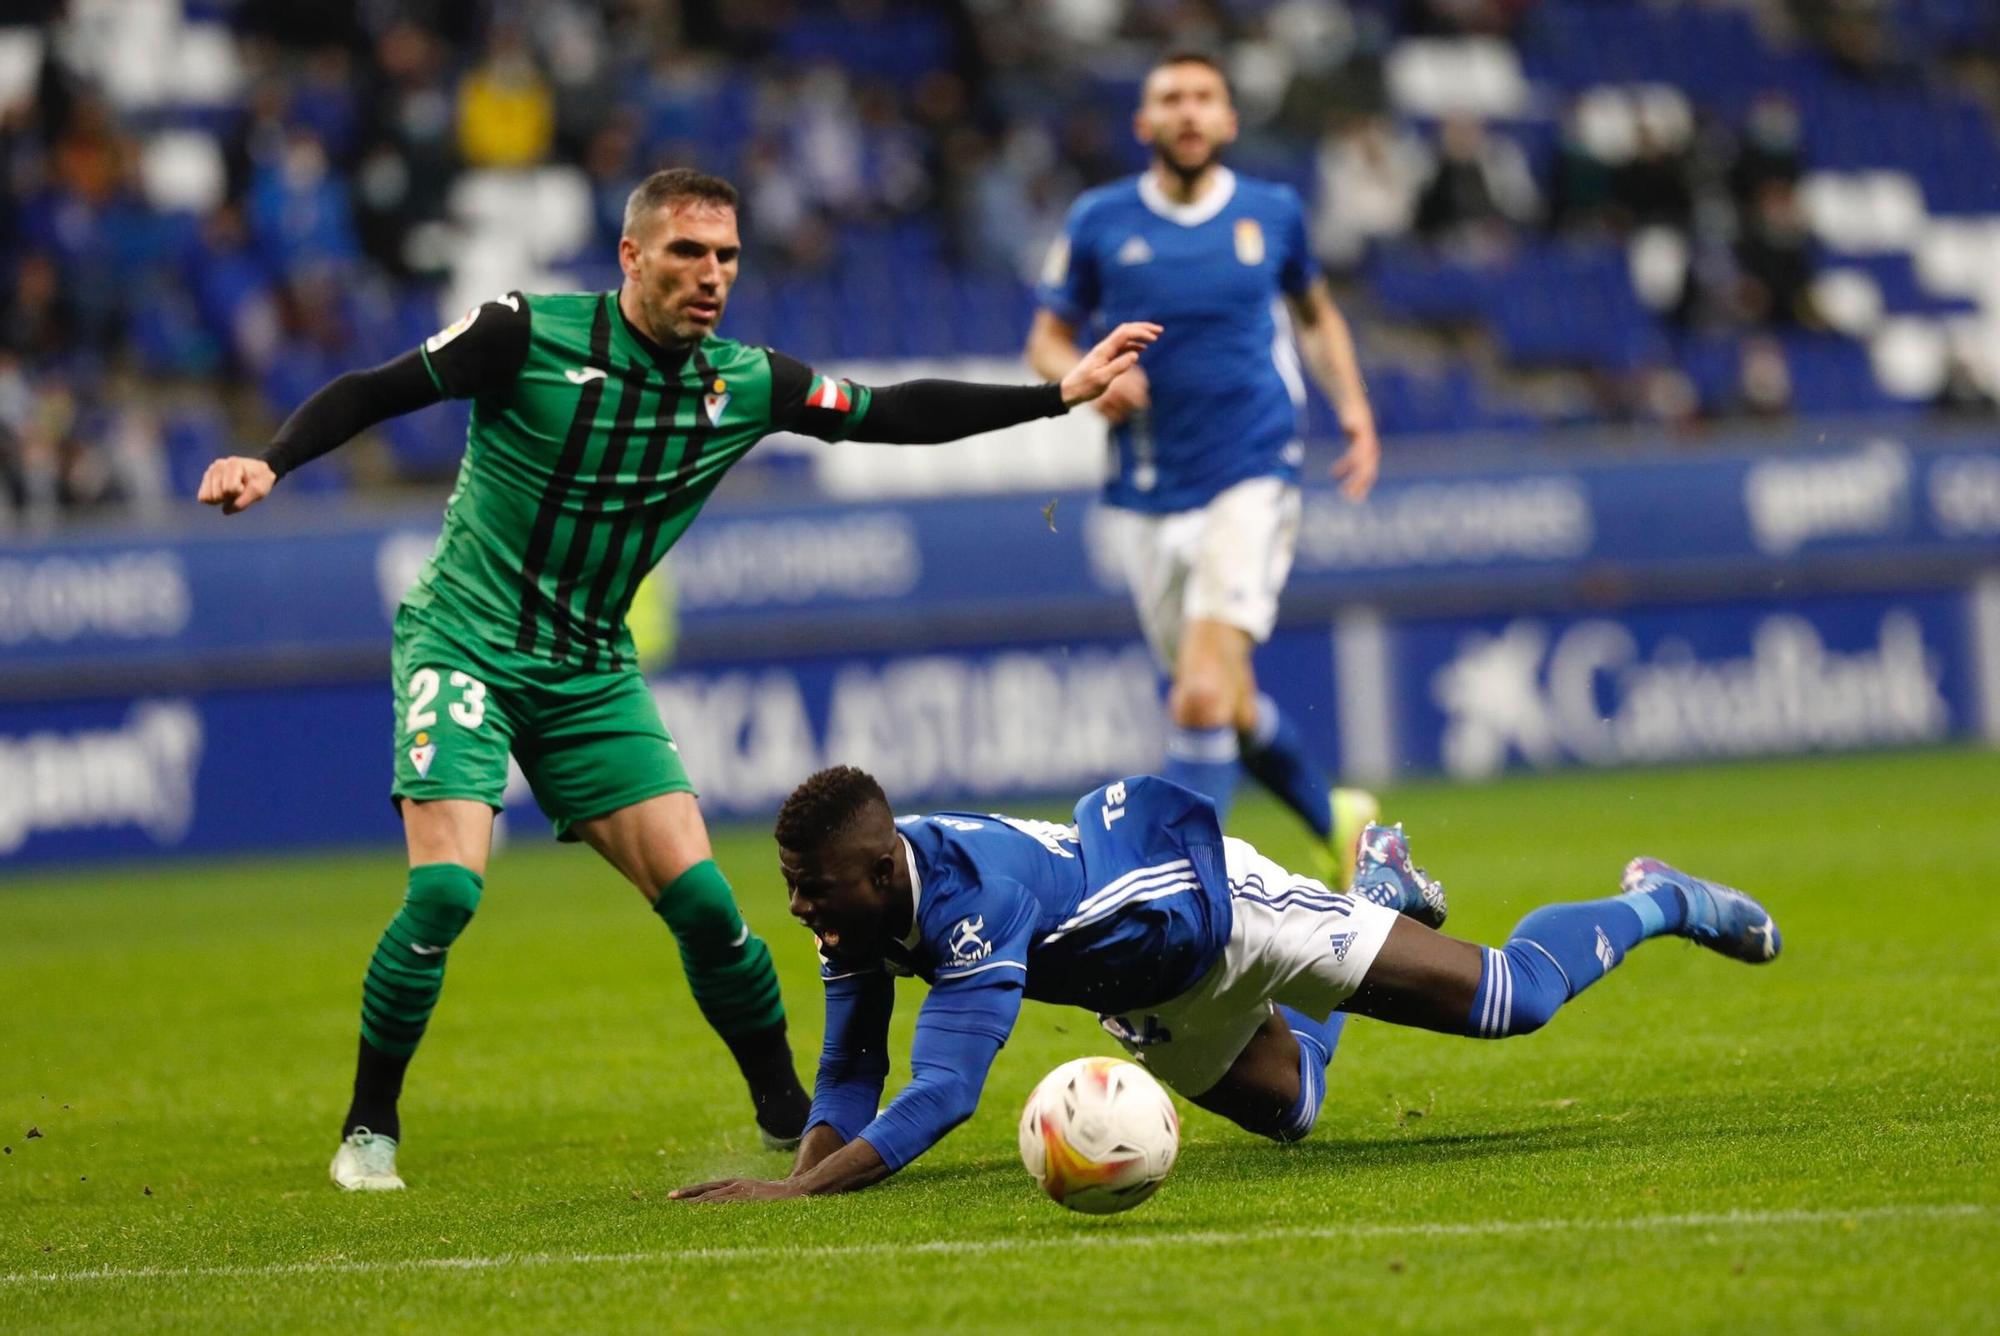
(1768, 148)
(1369, 175)
(39, 324)
(1764, 379)
(1479, 191)
(1962, 395)
(299, 205)
(506, 111)
(1775, 256)
(1656, 187)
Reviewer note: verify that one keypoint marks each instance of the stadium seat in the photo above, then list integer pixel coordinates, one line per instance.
(1911, 358)
(1474, 76)
(182, 170)
(21, 50)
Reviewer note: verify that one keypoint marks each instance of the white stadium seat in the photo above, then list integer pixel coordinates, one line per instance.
(1477, 76)
(20, 63)
(1912, 357)
(207, 71)
(183, 169)
(1864, 213)
(1849, 300)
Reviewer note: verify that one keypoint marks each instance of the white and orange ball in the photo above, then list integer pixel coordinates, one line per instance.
(1099, 1135)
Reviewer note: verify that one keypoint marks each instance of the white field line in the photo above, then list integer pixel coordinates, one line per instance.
(1638, 1224)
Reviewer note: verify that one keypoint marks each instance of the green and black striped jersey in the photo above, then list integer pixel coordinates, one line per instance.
(591, 449)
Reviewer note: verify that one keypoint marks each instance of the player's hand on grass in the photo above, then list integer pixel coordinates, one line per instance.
(1357, 466)
(1116, 355)
(236, 483)
(739, 1189)
(1125, 396)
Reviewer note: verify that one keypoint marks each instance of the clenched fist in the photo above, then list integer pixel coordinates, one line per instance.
(236, 483)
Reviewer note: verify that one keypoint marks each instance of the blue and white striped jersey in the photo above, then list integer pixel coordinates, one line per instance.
(1226, 388)
(1121, 911)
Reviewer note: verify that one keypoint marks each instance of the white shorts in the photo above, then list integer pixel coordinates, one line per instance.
(1225, 562)
(1293, 941)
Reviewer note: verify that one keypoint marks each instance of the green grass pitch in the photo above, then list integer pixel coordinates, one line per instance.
(1694, 1145)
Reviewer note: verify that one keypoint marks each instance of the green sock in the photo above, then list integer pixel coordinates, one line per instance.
(728, 967)
(407, 971)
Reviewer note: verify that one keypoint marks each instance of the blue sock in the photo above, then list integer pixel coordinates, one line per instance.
(1276, 757)
(1317, 1040)
(1558, 951)
(1203, 759)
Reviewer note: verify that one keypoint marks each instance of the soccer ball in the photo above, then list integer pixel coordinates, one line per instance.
(1099, 1135)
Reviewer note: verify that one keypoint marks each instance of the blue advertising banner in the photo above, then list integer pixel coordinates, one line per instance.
(1470, 697)
(269, 596)
(264, 769)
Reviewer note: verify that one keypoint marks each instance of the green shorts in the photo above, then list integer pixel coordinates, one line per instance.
(588, 742)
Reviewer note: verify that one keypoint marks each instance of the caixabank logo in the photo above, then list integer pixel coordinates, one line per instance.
(1692, 684)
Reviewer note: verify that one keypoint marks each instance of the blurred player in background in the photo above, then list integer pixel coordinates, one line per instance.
(1228, 976)
(601, 423)
(1204, 504)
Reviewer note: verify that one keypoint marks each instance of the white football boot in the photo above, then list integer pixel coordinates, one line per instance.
(366, 1162)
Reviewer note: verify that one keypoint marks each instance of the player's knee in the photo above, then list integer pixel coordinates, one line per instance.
(444, 896)
(1201, 701)
(700, 909)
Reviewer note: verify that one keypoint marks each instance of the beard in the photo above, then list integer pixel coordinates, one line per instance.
(1188, 173)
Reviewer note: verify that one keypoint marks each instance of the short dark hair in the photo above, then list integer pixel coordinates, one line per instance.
(670, 185)
(827, 804)
(1190, 56)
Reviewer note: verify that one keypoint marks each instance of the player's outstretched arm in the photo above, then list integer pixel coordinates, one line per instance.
(1117, 353)
(337, 412)
(930, 412)
(959, 1033)
(1328, 348)
(483, 351)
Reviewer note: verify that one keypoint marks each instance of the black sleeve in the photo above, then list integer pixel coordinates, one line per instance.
(914, 412)
(348, 405)
(925, 412)
(790, 379)
(484, 350)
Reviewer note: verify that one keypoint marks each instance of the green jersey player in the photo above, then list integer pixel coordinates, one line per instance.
(601, 423)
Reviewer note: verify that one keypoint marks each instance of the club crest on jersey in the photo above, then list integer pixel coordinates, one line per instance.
(713, 404)
(828, 394)
(967, 946)
(1135, 251)
(422, 754)
(1249, 241)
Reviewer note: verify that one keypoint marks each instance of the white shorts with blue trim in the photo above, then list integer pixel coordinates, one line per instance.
(1293, 942)
(1225, 562)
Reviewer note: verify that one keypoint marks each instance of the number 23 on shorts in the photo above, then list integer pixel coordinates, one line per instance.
(467, 708)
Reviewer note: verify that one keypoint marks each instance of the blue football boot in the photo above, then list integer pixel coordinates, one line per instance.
(1384, 875)
(1719, 917)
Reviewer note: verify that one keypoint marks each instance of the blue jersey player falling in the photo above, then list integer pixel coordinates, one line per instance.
(1202, 507)
(1227, 975)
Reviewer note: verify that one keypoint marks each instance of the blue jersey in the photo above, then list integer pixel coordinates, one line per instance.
(1119, 912)
(1226, 390)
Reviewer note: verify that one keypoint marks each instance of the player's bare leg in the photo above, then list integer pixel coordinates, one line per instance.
(1220, 720)
(1425, 979)
(1261, 1090)
(449, 840)
(1421, 978)
(661, 846)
